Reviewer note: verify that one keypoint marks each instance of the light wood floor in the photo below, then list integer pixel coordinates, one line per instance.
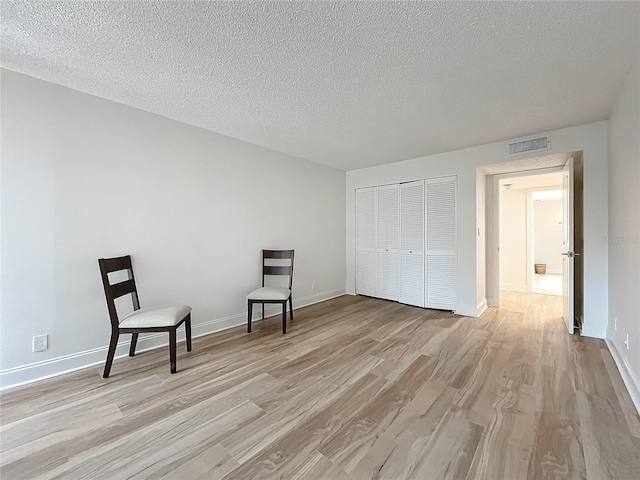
(358, 388)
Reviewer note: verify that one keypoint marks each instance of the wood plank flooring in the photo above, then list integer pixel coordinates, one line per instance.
(358, 388)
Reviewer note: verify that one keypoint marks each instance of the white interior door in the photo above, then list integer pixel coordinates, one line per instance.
(388, 233)
(412, 243)
(568, 246)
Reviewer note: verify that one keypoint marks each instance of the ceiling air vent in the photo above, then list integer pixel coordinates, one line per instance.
(540, 143)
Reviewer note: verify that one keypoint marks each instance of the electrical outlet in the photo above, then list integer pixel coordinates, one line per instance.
(626, 342)
(313, 285)
(615, 323)
(40, 343)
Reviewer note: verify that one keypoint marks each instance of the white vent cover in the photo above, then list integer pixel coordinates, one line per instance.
(540, 143)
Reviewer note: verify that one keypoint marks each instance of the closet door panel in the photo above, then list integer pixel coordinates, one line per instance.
(366, 273)
(388, 218)
(441, 260)
(366, 241)
(441, 282)
(365, 219)
(388, 233)
(412, 280)
(412, 218)
(441, 216)
(388, 283)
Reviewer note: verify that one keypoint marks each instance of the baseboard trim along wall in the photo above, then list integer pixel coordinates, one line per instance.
(628, 377)
(24, 374)
(554, 271)
(482, 306)
(513, 287)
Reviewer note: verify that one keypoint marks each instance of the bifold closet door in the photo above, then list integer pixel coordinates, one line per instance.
(441, 284)
(366, 241)
(387, 260)
(412, 219)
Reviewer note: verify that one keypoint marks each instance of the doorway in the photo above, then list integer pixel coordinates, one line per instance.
(530, 220)
(531, 235)
(546, 233)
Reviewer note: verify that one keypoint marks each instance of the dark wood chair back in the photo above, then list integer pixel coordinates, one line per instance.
(279, 269)
(166, 319)
(117, 290)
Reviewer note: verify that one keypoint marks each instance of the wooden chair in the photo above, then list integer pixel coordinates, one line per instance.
(274, 294)
(141, 320)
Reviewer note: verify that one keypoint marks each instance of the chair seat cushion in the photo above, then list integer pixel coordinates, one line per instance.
(269, 293)
(155, 317)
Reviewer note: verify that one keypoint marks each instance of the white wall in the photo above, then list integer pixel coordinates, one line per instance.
(624, 231)
(83, 178)
(590, 138)
(513, 240)
(547, 233)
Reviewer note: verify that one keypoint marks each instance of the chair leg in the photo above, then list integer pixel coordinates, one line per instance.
(291, 307)
(172, 349)
(110, 354)
(284, 317)
(134, 342)
(250, 310)
(187, 328)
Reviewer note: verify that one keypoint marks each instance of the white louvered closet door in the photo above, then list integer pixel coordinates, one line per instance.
(441, 284)
(388, 223)
(366, 241)
(412, 243)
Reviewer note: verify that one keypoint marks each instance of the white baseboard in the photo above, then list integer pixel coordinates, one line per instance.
(466, 311)
(491, 302)
(554, 271)
(628, 377)
(513, 287)
(13, 377)
(482, 306)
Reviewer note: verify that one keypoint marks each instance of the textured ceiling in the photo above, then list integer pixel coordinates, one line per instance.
(347, 84)
(535, 163)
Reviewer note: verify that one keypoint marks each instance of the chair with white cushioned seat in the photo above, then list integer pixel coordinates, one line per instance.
(141, 320)
(274, 294)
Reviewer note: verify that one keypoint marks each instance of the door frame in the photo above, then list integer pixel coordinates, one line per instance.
(493, 228)
(568, 241)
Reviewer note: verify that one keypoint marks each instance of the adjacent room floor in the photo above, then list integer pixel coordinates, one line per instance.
(358, 388)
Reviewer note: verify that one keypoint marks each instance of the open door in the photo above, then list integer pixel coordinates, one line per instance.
(568, 267)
